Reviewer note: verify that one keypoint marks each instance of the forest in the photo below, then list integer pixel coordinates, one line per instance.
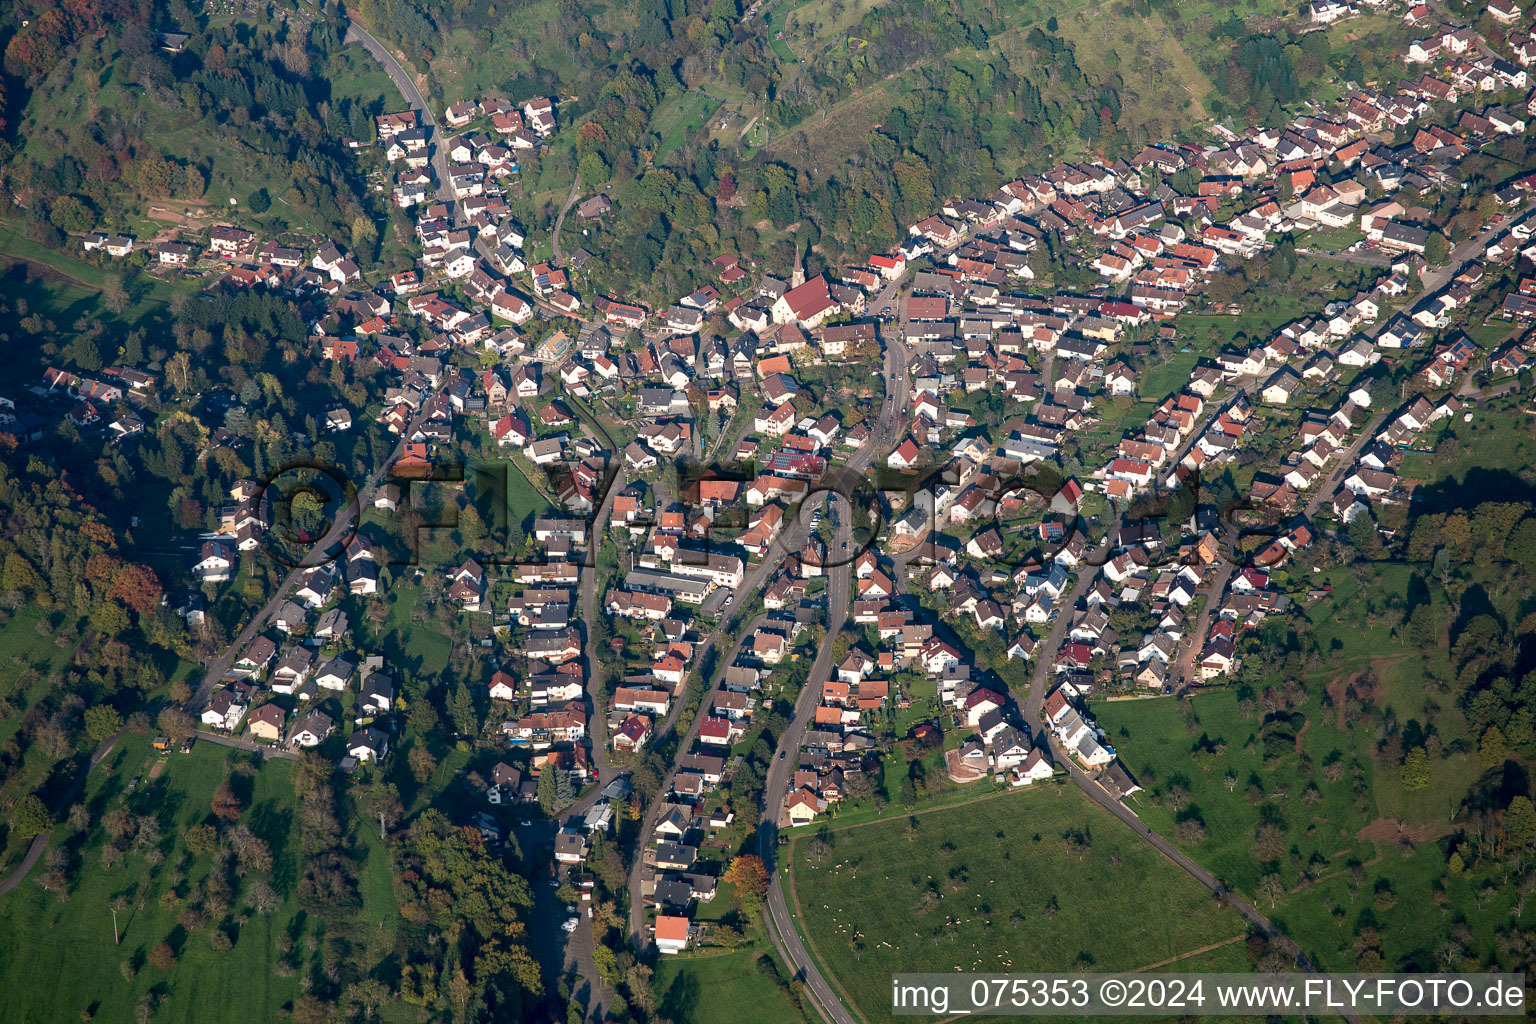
(106, 121)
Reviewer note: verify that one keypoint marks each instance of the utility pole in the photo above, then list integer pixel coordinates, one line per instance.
(117, 939)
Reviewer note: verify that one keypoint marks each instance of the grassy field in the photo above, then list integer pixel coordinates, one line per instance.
(465, 68)
(1496, 439)
(525, 502)
(1155, 383)
(1156, 744)
(843, 128)
(75, 291)
(723, 987)
(354, 73)
(1163, 85)
(1339, 834)
(1163, 81)
(1327, 239)
(818, 23)
(24, 650)
(72, 942)
(995, 885)
(679, 119)
(412, 643)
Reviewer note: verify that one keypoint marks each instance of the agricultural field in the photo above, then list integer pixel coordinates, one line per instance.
(1039, 880)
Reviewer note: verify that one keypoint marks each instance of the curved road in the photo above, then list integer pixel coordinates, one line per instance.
(219, 666)
(779, 919)
(319, 554)
(881, 439)
(407, 86)
(40, 841)
(1045, 655)
(578, 947)
(685, 745)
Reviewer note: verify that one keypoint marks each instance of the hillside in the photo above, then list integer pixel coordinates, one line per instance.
(827, 127)
(124, 132)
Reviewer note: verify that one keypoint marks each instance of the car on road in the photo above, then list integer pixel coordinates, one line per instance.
(781, 755)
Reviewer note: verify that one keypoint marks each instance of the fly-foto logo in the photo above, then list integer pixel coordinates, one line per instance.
(311, 510)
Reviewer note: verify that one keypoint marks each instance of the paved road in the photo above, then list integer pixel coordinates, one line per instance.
(779, 918)
(597, 723)
(889, 424)
(219, 666)
(1045, 655)
(318, 554)
(685, 745)
(790, 541)
(239, 743)
(406, 83)
(1102, 797)
(1473, 248)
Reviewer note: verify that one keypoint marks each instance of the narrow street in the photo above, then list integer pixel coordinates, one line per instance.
(406, 83)
(685, 745)
(321, 552)
(779, 918)
(596, 723)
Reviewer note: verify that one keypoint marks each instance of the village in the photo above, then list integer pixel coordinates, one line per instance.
(1029, 559)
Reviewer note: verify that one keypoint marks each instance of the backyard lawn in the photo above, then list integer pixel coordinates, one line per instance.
(1039, 880)
(417, 646)
(723, 987)
(1156, 382)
